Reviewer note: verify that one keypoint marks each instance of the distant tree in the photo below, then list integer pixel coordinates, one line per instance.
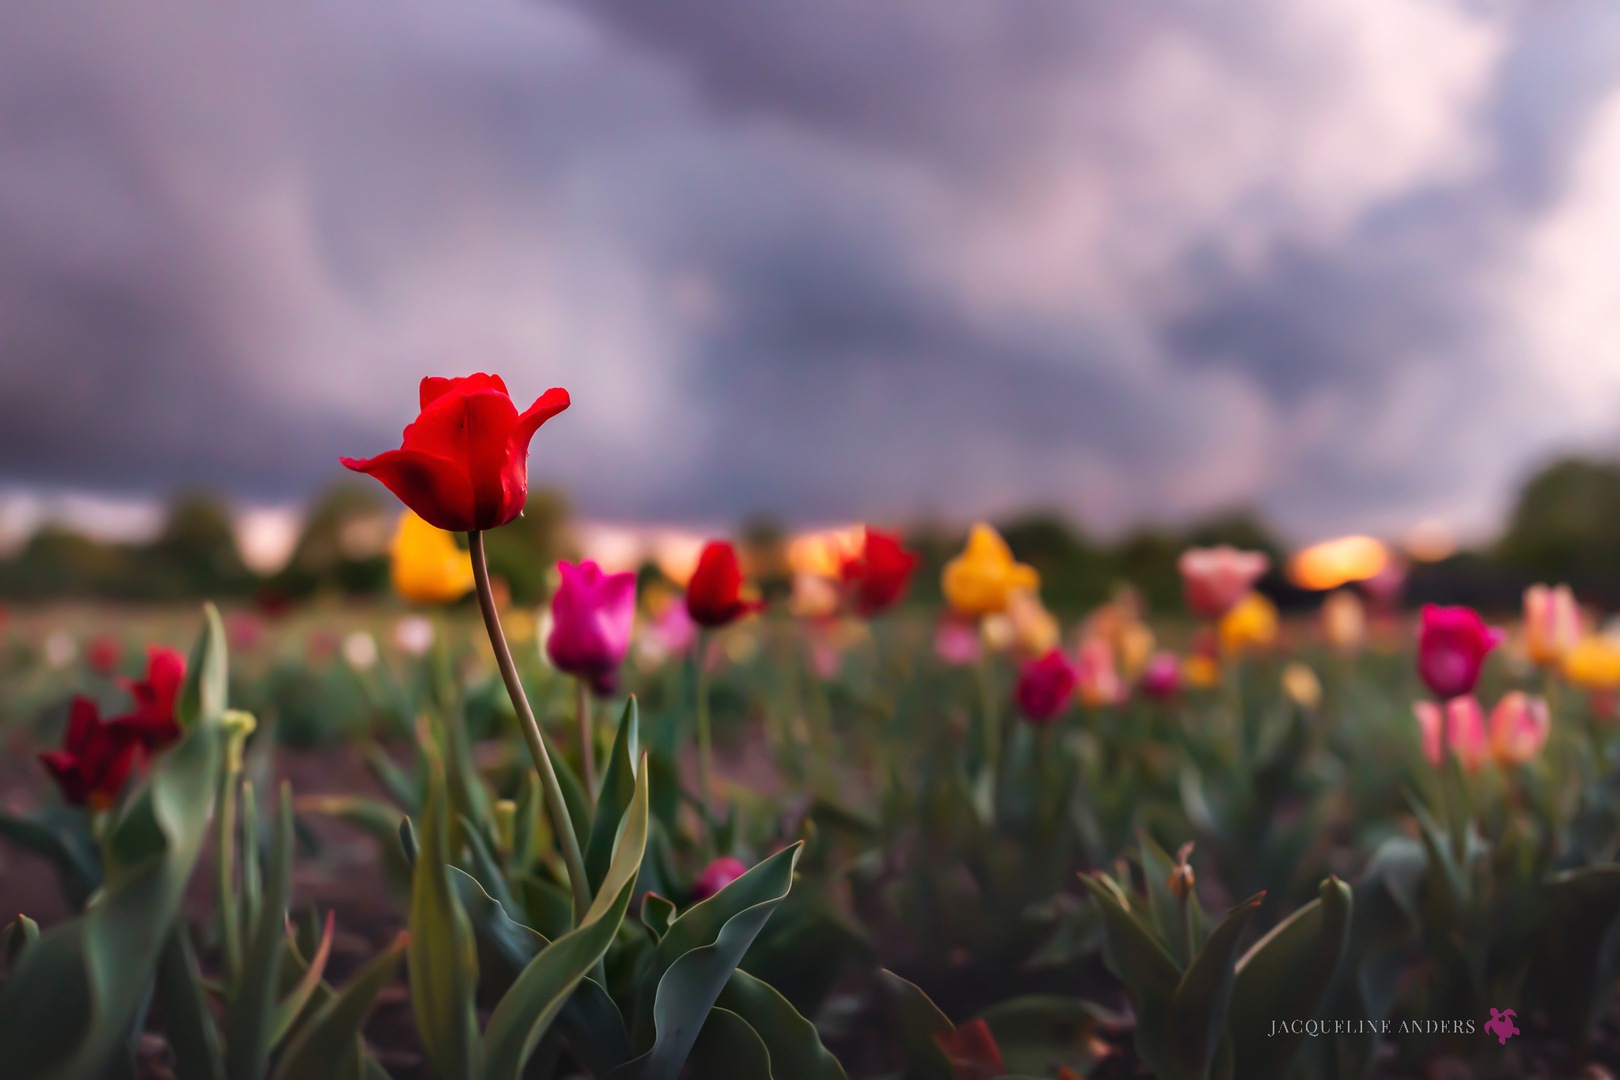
(58, 562)
(1565, 526)
(344, 545)
(1146, 559)
(1075, 575)
(195, 555)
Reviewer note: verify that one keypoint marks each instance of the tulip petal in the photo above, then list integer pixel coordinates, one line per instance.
(436, 488)
(546, 406)
(436, 386)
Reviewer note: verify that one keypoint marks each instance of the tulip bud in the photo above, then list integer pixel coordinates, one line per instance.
(1452, 643)
(1098, 678)
(1250, 624)
(592, 614)
(1465, 730)
(505, 813)
(716, 876)
(1215, 579)
(1302, 686)
(1552, 624)
(1181, 879)
(1162, 676)
(1520, 725)
(1044, 688)
(979, 581)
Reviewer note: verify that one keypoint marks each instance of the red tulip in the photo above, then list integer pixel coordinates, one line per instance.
(153, 720)
(716, 876)
(1045, 687)
(714, 595)
(464, 463)
(1452, 644)
(973, 1051)
(592, 614)
(880, 575)
(103, 654)
(96, 757)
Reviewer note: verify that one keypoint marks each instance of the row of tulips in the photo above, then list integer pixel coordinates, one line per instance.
(1411, 858)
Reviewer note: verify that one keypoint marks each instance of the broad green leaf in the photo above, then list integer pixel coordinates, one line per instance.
(1164, 908)
(189, 1026)
(207, 674)
(443, 959)
(1197, 1012)
(1130, 949)
(1038, 1031)
(541, 990)
(917, 1019)
(656, 913)
(795, 1049)
(101, 964)
(328, 1046)
(728, 1048)
(250, 1016)
(694, 960)
(1284, 976)
(68, 847)
(595, 1028)
(508, 941)
(486, 869)
(618, 788)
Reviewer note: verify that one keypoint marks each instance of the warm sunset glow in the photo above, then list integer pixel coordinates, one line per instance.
(1333, 563)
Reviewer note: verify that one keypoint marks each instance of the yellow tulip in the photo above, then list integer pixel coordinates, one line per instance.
(427, 567)
(1252, 624)
(1594, 664)
(1301, 685)
(1201, 671)
(979, 581)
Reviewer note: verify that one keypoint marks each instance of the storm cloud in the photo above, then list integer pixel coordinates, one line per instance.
(1351, 261)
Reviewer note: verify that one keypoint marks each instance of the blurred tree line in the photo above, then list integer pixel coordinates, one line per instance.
(342, 550)
(1564, 527)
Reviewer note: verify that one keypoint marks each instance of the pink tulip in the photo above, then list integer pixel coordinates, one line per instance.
(592, 614)
(716, 876)
(1045, 687)
(1465, 730)
(1215, 579)
(673, 630)
(1098, 678)
(1520, 725)
(957, 642)
(1161, 679)
(1452, 644)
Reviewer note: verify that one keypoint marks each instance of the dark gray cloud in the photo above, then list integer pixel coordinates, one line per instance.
(959, 256)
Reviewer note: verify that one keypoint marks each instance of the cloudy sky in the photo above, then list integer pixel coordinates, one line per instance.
(1356, 262)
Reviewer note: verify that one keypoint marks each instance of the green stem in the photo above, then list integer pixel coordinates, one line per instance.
(587, 737)
(705, 743)
(562, 824)
(225, 854)
(989, 714)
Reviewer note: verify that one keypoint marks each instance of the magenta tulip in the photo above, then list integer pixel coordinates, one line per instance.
(1045, 688)
(716, 876)
(592, 614)
(1452, 644)
(1161, 679)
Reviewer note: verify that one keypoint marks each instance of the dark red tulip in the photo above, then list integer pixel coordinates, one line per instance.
(153, 720)
(879, 576)
(96, 757)
(1452, 643)
(1045, 688)
(973, 1051)
(716, 876)
(714, 595)
(464, 463)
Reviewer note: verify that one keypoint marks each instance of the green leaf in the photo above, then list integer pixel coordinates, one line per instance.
(486, 869)
(290, 1006)
(917, 1019)
(508, 941)
(375, 818)
(1284, 976)
(101, 964)
(618, 788)
(250, 1017)
(1197, 1013)
(442, 957)
(189, 1026)
(795, 1049)
(728, 1048)
(694, 960)
(69, 848)
(207, 674)
(656, 913)
(533, 1002)
(1163, 906)
(328, 1046)
(18, 934)
(1038, 1031)
(400, 787)
(1130, 949)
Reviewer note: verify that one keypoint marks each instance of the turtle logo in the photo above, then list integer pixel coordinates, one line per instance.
(1502, 1026)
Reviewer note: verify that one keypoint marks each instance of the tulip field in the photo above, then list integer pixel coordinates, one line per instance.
(662, 828)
